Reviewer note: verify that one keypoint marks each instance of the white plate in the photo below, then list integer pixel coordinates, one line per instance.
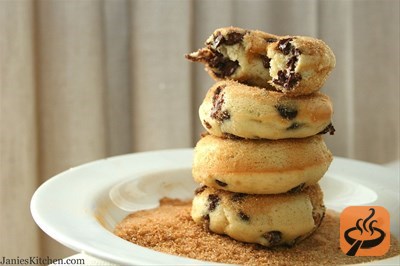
(80, 207)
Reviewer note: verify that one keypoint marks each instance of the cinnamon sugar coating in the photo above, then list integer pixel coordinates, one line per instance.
(171, 230)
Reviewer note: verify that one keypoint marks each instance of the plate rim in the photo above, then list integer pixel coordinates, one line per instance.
(78, 246)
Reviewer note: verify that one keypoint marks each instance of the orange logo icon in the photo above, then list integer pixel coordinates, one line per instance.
(364, 231)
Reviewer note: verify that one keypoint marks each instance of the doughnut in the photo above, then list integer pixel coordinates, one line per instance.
(295, 65)
(269, 220)
(260, 166)
(232, 108)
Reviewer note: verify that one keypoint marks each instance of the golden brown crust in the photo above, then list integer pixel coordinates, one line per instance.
(269, 220)
(260, 166)
(253, 113)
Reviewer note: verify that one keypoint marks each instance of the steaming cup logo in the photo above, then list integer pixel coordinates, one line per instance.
(364, 231)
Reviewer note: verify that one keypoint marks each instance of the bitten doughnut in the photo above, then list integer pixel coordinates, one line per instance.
(296, 65)
(269, 220)
(231, 108)
(260, 166)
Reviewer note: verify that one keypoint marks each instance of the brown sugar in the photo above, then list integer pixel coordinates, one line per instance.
(170, 229)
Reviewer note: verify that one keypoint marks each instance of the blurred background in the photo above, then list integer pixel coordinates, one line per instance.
(87, 79)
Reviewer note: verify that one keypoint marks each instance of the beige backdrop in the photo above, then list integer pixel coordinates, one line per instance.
(83, 80)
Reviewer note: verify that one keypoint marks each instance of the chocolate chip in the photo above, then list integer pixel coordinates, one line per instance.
(225, 66)
(294, 126)
(228, 68)
(218, 101)
(217, 40)
(287, 79)
(281, 77)
(220, 183)
(200, 190)
(233, 38)
(329, 129)
(285, 46)
(297, 188)
(286, 112)
(215, 59)
(213, 201)
(218, 91)
(271, 39)
(273, 237)
(292, 80)
(266, 61)
(222, 66)
(296, 51)
(243, 216)
(291, 64)
(238, 197)
(208, 126)
(230, 39)
(225, 115)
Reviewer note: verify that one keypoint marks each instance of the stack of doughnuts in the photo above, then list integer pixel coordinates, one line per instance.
(260, 161)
